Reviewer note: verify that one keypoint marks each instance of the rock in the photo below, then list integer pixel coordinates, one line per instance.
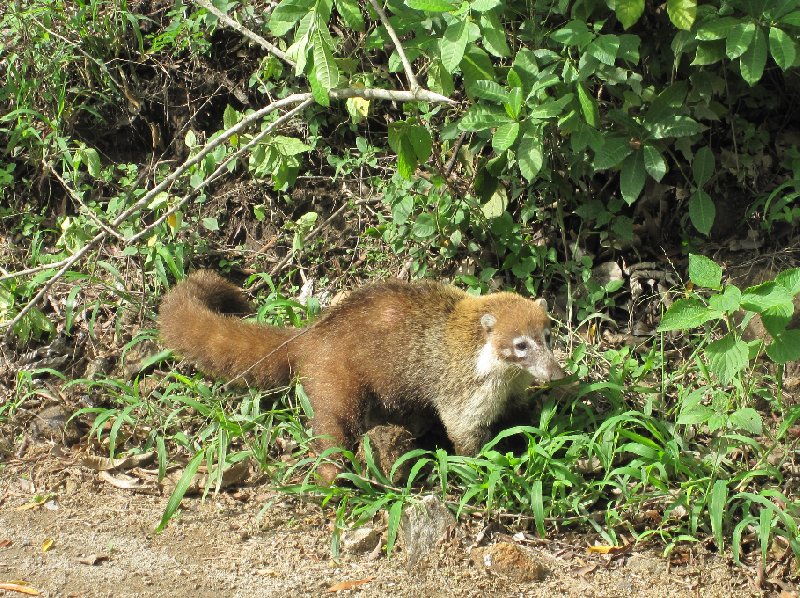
(53, 423)
(422, 527)
(509, 560)
(360, 540)
(388, 444)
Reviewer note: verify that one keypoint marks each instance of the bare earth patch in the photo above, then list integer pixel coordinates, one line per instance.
(103, 544)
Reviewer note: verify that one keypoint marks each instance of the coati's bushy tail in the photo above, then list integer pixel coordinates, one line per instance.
(198, 320)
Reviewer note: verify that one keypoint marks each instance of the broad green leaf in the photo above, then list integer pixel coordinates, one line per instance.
(754, 59)
(792, 19)
(604, 48)
(482, 117)
(790, 279)
(530, 156)
(704, 272)
(505, 136)
(685, 314)
(483, 5)
(703, 166)
(729, 301)
(739, 38)
(786, 347)
(431, 5)
(614, 151)
(716, 28)
(421, 141)
(324, 64)
(574, 33)
(351, 14)
(497, 203)
(550, 108)
(776, 317)
(654, 162)
(289, 146)
(682, 13)
(747, 419)
(782, 48)
(697, 414)
(284, 16)
(514, 104)
(628, 11)
(476, 66)
(453, 44)
(675, 126)
(591, 114)
(424, 226)
(717, 507)
(727, 357)
(210, 224)
(632, 177)
(494, 35)
(702, 211)
(765, 295)
(92, 159)
(709, 53)
(668, 102)
(490, 90)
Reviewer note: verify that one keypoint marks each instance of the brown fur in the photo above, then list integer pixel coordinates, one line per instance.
(389, 347)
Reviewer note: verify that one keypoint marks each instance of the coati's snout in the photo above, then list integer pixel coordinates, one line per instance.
(524, 342)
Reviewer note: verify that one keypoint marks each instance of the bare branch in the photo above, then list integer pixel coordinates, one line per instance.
(236, 26)
(412, 78)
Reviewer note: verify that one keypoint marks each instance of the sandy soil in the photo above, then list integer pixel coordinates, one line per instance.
(252, 541)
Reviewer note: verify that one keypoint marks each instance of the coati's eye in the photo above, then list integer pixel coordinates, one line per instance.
(521, 345)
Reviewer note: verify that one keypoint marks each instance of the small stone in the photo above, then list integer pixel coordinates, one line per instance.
(422, 527)
(360, 540)
(388, 444)
(509, 560)
(54, 423)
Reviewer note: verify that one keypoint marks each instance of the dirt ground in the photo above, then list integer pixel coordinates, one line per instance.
(89, 538)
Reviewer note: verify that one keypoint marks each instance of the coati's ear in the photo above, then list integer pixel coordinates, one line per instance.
(488, 321)
(541, 302)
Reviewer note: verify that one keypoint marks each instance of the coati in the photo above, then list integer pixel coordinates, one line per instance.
(393, 346)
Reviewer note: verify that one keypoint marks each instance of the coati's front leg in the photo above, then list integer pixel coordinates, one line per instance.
(467, 437)
(337, 409)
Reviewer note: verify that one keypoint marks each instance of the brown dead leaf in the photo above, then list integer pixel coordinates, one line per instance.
(107, 464)
(584, 571)
(606, 549)
(93, 559)
(47, 544)
(787, 594)
(21, 588)
(121, 480)
(5, 543)
(28, 506)
(347, 585)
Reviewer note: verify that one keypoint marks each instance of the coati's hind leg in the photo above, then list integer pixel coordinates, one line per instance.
(336, 400)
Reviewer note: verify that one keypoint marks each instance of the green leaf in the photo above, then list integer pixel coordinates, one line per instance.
(628, 11)
(727, 357)
(284, 16)
(747, 419)
(716, 28)
(327, 73)
(424, 226)
(654, 162)
(754, 59)
(530, 156)
(393, 525)
(702, 211)
(591, 114)
(790, 279)
(682, 13)
(604, 48)
(792, 19)
(351, 14)
(180, 490)
(782, 47)
(514, 104)
(431, 5)
(703, 166)
(704, 272)
(490, 90)
(211, 224)
(614, 151)
(632, 177)
(481, 117)
(494, 35)
(453, 44)
(685, 314)
(674, 126)
(786, 347)
(765, 295)
(729, 301)
(550, 108)
(496, 205)
(709, 53)
(483, 5)
(668, 102)
(476, 66)
(574, 33)
(505, 136)
(739, 38)
(717, 507)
